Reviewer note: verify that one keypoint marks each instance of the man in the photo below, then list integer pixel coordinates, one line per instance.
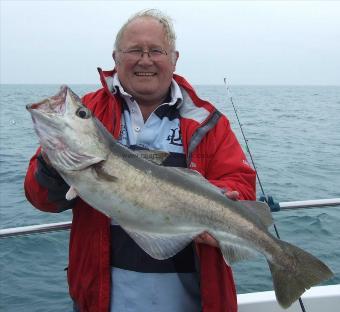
(145, 105)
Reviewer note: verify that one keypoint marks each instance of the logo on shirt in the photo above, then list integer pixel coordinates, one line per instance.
(175, 137)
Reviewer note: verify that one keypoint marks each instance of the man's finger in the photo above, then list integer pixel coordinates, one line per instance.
(206, 238)
(233, 195)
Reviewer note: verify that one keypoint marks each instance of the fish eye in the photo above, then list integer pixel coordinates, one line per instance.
(83, 113)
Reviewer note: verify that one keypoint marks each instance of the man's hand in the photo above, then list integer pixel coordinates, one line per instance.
(233, 195)
(205, 237)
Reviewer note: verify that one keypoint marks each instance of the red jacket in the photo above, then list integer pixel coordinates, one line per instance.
(217, 156)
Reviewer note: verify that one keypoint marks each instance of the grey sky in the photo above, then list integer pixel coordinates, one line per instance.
(250, 42)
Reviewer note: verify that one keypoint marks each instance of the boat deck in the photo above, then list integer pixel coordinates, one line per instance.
(316, 299)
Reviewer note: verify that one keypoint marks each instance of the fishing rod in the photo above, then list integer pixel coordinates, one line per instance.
(265, 198)
(248, 149)
(244, 137)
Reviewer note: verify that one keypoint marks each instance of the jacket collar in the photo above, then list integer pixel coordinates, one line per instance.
(192, 107)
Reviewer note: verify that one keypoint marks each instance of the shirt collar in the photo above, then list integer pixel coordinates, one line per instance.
(176, 96)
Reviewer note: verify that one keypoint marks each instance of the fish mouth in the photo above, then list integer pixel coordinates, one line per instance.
(54, 105)
(47, 116)
(53, 122)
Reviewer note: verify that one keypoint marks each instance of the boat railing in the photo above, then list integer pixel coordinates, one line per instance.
(60, 226)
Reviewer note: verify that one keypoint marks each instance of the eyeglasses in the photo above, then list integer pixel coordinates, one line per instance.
(137, 53)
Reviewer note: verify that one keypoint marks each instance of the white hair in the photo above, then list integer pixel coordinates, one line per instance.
(157, 15)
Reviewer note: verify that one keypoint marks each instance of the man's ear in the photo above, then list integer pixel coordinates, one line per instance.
(114, 56)
(175, 57)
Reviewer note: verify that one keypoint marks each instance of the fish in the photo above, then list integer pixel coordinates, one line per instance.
(163, 208)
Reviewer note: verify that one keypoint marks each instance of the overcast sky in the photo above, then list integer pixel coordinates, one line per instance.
(250, 42)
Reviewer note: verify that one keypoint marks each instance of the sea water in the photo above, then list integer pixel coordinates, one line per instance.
(294, 136)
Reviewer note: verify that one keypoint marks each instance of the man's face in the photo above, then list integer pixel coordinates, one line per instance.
(146, 79)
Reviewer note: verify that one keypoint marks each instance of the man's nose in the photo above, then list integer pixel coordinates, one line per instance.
(145, 58)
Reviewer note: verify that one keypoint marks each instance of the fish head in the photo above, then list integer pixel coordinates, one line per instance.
(68, 131)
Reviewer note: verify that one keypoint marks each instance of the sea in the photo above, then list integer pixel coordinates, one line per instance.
(293, 133)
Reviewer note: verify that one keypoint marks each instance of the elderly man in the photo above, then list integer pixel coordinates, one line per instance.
(146, 106)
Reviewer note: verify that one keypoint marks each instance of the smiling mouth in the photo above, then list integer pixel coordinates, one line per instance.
(145, 74)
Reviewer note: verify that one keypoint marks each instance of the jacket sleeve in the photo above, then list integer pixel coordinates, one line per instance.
(44, 188)
(226, 165)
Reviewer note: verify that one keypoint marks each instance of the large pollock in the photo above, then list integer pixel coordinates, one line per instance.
(134, 190)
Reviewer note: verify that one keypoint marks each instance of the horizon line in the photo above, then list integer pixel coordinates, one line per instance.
(195, 84)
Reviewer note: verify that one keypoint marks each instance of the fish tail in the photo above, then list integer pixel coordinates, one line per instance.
(294, 272)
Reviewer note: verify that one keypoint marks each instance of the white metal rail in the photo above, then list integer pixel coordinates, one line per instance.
(31, 229)
(52, 227)
(310, 203)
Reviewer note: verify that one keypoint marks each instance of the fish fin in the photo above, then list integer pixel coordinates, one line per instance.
(294, 272)
(261, 209)
(156, 157)
(71, 160)
(161, 246)
(233, 253)
(71, 193)
(103, 174)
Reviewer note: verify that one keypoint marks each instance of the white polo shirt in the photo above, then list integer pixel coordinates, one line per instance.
(160, 131)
